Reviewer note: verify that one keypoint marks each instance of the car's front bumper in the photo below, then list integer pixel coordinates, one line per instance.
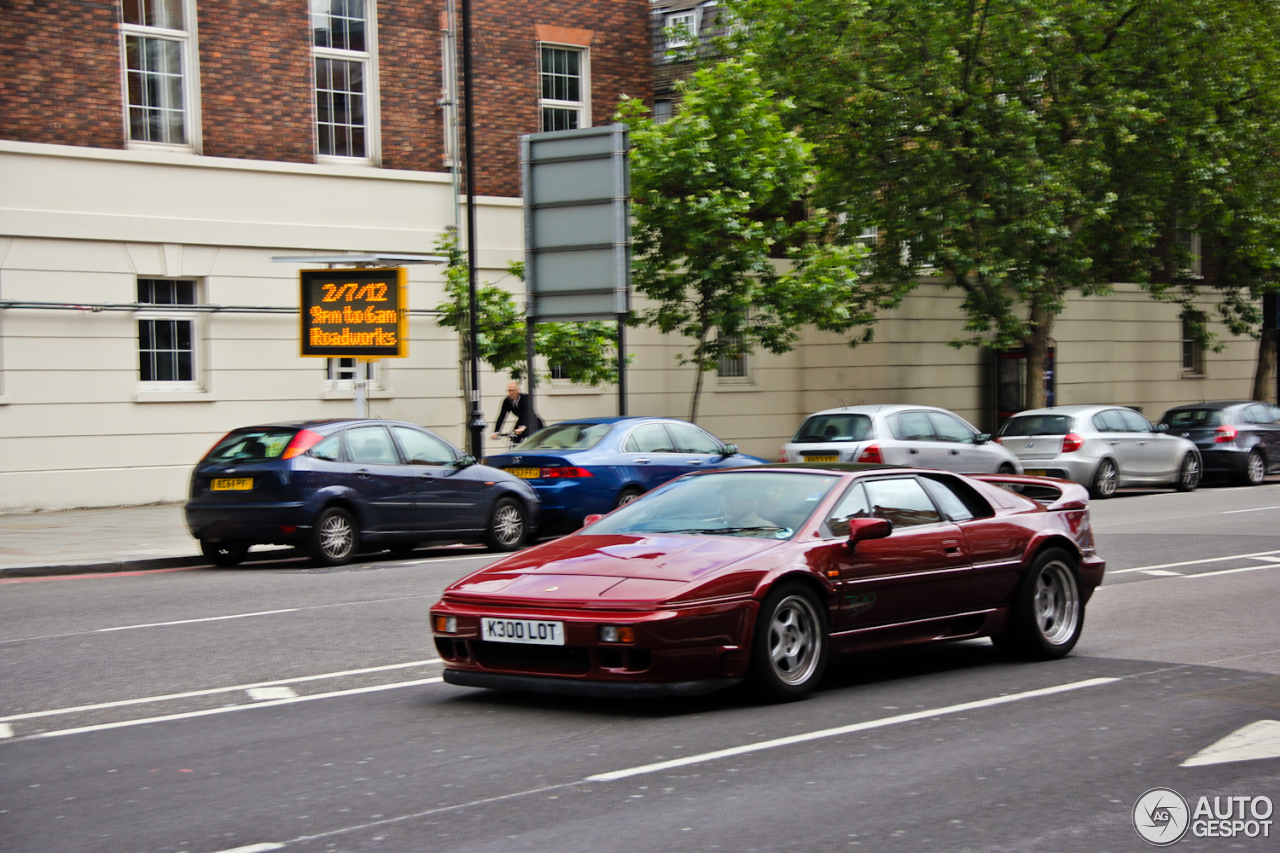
(579, 687)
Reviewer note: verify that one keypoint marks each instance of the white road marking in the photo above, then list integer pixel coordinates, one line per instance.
(214, 690)
(192, 621)
(6, 730)
(1254, 509)
(844, 730)
(1163, 573)
(212, 711)
(254, 848)
(1227, 572)
(1254, 741)
(1195, 562)
(265, 694)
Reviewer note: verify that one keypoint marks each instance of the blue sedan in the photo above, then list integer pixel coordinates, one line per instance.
(592, 465)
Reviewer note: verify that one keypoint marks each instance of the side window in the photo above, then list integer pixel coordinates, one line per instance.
(902, 501)
(423, 449)
(690, 439)
(1135, 422)
(958, 501)
(1109, 421)
(649, 438)
(1258, 415)
(852, 505)
(950, 429)
(371, 445)
(914, 426)
(330, 450)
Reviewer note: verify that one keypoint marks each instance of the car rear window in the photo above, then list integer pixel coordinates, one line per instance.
(1191, 418)
(251, 444)
(566, 437)
(835, 427)
(1038, 425)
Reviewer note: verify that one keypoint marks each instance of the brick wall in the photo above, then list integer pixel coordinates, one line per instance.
(61, 81)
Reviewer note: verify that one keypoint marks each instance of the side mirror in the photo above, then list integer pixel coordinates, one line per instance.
(982, 438)
(729, 450)
(591, 519)
(465, 461)
(1162, 427)
(861, 529)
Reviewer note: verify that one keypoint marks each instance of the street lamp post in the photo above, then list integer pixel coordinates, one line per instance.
(475, 422)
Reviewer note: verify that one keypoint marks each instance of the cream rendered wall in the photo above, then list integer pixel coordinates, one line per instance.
(79, 226)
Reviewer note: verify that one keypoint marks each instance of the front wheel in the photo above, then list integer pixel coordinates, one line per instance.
(1048, 609)
(1006, 468)
(508, 524)
(224, 553)
(1189, 473)
(1255, 469)
(1105, 480)
(335, 537)
(789, 647)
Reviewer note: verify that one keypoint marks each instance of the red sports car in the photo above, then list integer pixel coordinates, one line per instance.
(761, 573)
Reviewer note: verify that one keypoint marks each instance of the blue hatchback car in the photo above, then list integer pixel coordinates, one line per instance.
(331, 486)
(592, 465)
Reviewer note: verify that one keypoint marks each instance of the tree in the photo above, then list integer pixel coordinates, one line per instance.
(726, 246)
(585, 353)
(1028, 150)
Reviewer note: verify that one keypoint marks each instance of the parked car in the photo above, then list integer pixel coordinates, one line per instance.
(1102, 447)
(332, 486)
(917, 436)
(762, 573)
(1239, 439)
(592, 465)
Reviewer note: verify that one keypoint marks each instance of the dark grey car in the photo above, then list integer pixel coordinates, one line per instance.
(1238, 439)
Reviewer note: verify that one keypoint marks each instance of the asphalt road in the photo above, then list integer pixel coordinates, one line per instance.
(282, 707)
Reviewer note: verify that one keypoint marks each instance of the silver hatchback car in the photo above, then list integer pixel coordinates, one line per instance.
(1102, 447)
(919, 436)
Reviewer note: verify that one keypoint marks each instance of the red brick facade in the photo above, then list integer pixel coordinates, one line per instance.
(63, 80)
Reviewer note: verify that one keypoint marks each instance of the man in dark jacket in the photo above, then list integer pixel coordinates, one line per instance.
(517, 404)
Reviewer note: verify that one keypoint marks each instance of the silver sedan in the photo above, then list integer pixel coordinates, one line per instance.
(918, 436)
(1102, 447)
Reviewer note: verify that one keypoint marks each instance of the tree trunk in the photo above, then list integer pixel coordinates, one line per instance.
(1037, 344)
(697, 383)
(1264, 376)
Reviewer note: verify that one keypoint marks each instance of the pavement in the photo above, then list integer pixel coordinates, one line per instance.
(96, 540)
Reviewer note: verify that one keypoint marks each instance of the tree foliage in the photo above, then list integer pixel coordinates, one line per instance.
(1030, 149)
(585, 353)
(728, 248)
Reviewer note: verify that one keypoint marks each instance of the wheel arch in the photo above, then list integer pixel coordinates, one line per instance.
(824, 591)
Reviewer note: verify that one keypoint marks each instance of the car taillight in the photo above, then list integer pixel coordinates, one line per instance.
(1072, 442)
(782, 454)
(1224, 434)
(871, 454)
(301, 443)
(568, 471)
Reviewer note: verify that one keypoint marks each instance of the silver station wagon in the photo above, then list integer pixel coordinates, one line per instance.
(918, 436)
(1102, 447)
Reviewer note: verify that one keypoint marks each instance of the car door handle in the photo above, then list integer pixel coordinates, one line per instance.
(695, 461)
(641, 461)
(951, 546)
(428, 477)
(363, 473)
(912, 450)
(1113, 442)
(955, 452)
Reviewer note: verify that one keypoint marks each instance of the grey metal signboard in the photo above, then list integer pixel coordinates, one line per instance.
(577, 228)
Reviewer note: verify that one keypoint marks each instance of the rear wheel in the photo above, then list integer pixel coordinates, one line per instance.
(789, 647)
(224, 553)
(1105, 480)
(1006, 468)
(508, 524)
(335, 537)
(1189, 473)
(627, 495)
(1048, 609)
(1255, 469)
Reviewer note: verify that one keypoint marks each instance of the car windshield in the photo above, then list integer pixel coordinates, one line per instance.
(833, 427)
(1038, 425)
(761, 504)
(251, 444)
(566, 437)
(1191, 418)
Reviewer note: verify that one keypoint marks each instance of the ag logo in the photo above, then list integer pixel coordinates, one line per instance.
(858, 603)
(1161, 816)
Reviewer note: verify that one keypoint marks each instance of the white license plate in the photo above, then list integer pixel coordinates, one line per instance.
(522, 631)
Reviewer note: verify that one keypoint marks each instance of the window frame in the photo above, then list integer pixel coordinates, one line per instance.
(582, 106)
(187, 40)
(368, 59)
(335, 382)
(673, 20)
(151, 312)
(1192, 351)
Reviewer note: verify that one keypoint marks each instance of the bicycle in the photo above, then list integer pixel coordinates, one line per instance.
(512, 439)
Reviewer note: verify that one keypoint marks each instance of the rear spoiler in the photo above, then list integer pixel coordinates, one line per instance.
(1053, 494)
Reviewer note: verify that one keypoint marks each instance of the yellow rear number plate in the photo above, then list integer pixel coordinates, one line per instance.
(233, 484)
(827, 458)
(525, 473)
